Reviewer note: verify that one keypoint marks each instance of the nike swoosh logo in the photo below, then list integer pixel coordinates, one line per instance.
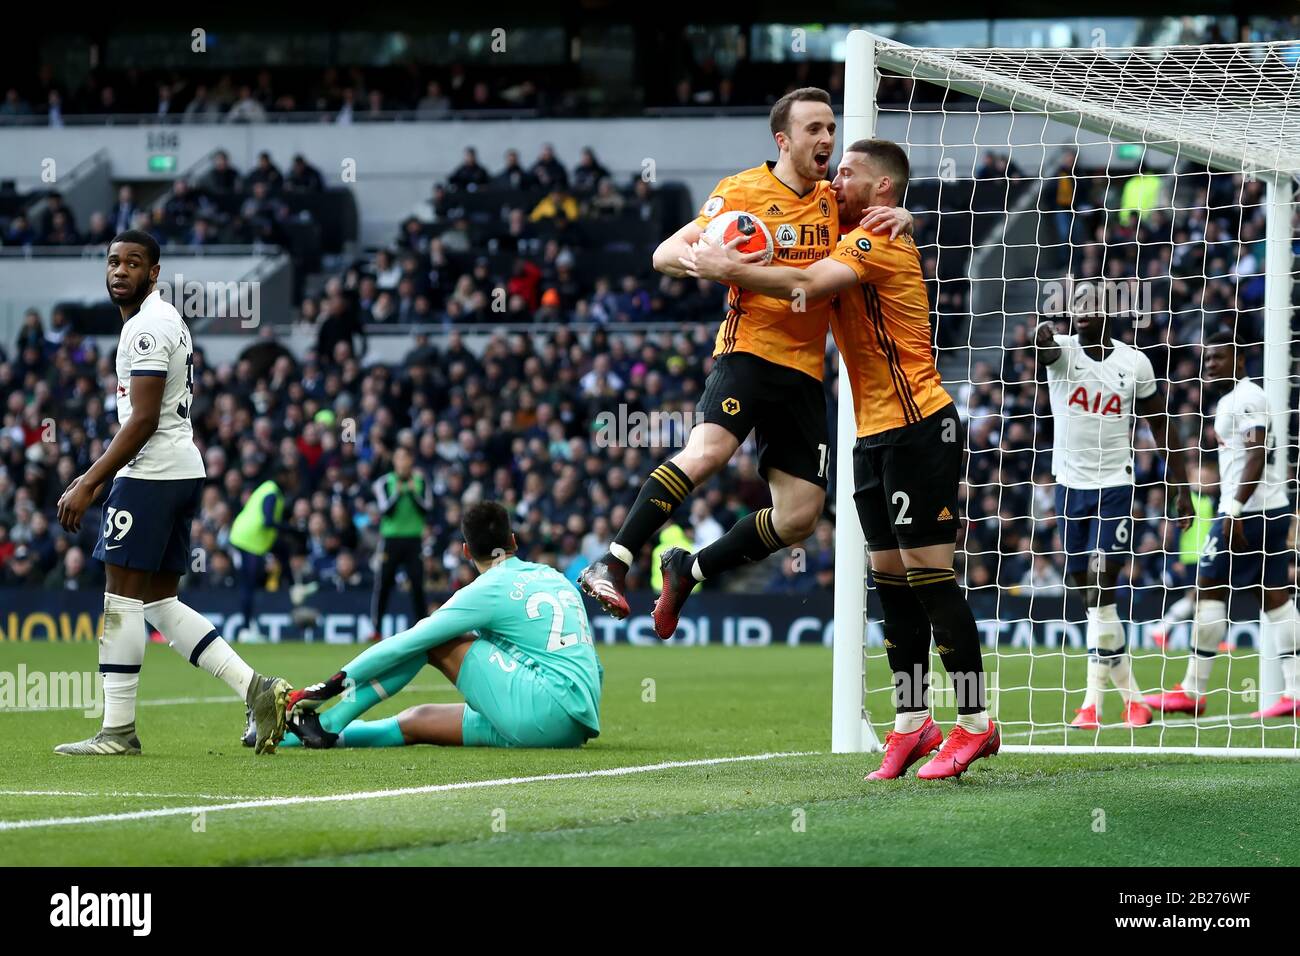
(979, 753)
(110, 547)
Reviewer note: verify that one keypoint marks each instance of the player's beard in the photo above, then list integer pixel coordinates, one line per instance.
(131, 299)
(850, 209)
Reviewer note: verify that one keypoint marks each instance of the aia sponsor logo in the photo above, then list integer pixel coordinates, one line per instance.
(1093, 402)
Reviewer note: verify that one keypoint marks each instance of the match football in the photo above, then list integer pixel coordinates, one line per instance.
(604, 439)
(728, 227)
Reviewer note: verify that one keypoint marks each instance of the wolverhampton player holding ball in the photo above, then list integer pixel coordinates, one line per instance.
(906, 461)
(767, 377)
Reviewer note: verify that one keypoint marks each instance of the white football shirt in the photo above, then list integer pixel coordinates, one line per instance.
(155, 341)
(1092, 406)
(1238, 413)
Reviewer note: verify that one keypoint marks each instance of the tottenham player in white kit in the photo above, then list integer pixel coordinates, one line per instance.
(1248, 547)
(157, 476)
(1096, 384)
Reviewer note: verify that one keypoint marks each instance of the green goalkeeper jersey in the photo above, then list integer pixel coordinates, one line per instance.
(535, 616)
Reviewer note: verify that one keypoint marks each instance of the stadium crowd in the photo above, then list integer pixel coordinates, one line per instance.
(521, 421)
(1195, 241)
(520, 424)
(222, 207)
(690, 68)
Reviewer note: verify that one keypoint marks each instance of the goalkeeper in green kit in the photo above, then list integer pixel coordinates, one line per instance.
(516, 643)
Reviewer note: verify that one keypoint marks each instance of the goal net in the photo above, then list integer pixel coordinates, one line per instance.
(1159, 182)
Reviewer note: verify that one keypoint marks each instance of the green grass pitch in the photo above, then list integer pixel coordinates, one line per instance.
(661, 705)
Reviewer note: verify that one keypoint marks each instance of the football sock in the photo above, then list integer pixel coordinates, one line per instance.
(1180, 610)
(192, 636)
(1291, 677)
(752, 538)
(1098, 670)
(976, 723)
(906, 630)
(1197, 679)
(1282, 625)
(1121, 673)
(366, 694)
(1107, 656)
(665, 489)
(121, 652)
(910, 721)
(956, 636)
(1210, 624)
(1098, 678)
(371, 733)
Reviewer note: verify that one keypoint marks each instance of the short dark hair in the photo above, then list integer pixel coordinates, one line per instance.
(889, 155)
(486, 527)
(1222, 339)
(779, 118)
(140, 238)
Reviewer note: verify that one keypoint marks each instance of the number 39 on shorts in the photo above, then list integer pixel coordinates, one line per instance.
(116, 524)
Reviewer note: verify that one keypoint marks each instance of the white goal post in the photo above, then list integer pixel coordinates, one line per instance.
(1230, 108)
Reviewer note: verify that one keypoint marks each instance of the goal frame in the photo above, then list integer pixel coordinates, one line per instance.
(865, 54)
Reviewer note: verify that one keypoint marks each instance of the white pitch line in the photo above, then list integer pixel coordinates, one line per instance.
(117, 793)
(1207, 723)
(380, 794)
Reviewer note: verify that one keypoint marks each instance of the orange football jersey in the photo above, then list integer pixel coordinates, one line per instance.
(803, 230)
(882, 328)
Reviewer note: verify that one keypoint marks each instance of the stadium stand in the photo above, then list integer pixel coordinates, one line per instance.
(516, 419)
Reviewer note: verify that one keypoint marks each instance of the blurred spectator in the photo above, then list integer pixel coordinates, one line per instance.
(20, 570)
(123, 211)
(433, 105)
(222, 179)
(588, 173)
(1141, 195)
(513, 176)
(264, 172)
(607, 201)
(303, 177)
(548, 171)
(246, 108)
(98, 229)
(54, 208)
(556, 204)
(73, 574)
(201, 108)
(346, 575)
(469, 174)
(14, 104)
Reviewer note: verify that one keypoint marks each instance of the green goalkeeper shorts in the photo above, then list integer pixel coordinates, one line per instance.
(507, 704)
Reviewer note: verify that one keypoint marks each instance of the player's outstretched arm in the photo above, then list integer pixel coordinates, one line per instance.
(724, 264)
(1169, 440)
(667, 255)
(457, 618)
(146, 409)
